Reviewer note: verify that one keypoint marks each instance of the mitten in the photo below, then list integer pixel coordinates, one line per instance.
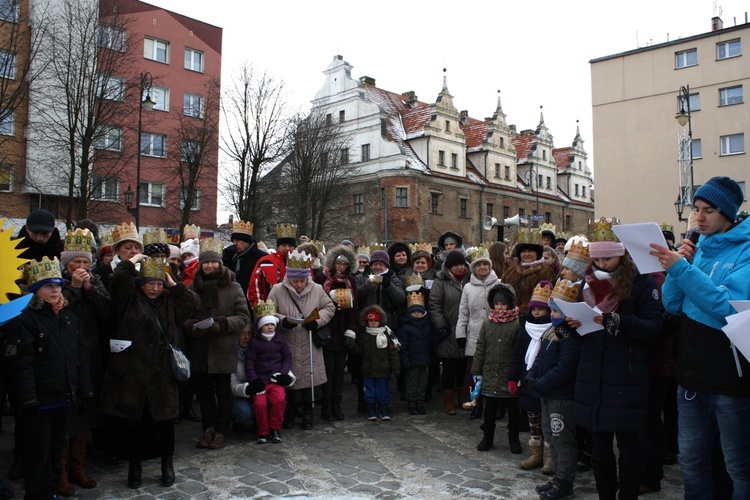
(350, 334)
(386, 281)
(461, 343)
(255, 387)
(512, 387)
(214, 329)
(443, 333)
(223, 323)
(310, 325)
(611, 323)
(189, 326)
(563, 331)
(286, 324)
(282, 379)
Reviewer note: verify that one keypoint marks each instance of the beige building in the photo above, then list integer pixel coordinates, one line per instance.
(636, 97)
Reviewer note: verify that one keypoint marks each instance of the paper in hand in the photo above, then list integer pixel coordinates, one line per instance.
(206, 323)
(119, 345)
(582, 312)
(636, 238)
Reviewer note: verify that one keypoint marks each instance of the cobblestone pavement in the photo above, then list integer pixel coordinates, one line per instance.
(429, 456)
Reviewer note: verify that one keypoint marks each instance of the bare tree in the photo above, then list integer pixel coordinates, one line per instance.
(254, 113)
(79, 118)
(306, 187)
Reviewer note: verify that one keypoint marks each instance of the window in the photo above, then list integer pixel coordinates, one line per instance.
(686, 58)
(502, 142)
(109, 138)
(192, 105)
(344, 156)
(521, 212)
(156, 50)
(7, 65)
(454, 161)
(447, 126)
(568, 220)
(112, 38)
(191, 151)
(490, 208)
(160, 95)
(462, 203)
(196, 203)
(731, 95)
(359, 207)
(329, 119)
(539, 181)
(549, 182)
(9, 10)
(441, 158)
(153, 145)
(104, 188)
(506, 212)
(402, 197)
(507, 172)
(193, 60)
(151, 193)
(725, 50)
(6, 178)
(342, 116)
(365, 152)
(7, 123)
(697, 149)
(497, 170)
(547, 217)
(544, 154)
(434, 203)
(112, 88)
(583, 191)
(732, 144)
(576, 189)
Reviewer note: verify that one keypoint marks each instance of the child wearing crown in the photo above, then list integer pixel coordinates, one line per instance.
(417, 335)
(268, 363)
(47, 369)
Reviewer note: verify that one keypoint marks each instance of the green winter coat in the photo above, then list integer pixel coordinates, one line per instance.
(494, 354)
(376, 363)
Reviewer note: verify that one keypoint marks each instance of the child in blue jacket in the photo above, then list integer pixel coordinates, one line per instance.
(416, 335)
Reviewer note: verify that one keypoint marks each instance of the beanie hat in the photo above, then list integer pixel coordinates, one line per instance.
(266, 320)
(416, 308)
(104, 251)
(156, 248)
(540, 295)
(247, 238)
(174, 252)
(380, 256)
(67, 256)
(363, 256)
(347, 243)
(454, 258)
(577, 259)
(209, 256)
(192, 246)
(40, 220)
(723, 194)
(422, 254)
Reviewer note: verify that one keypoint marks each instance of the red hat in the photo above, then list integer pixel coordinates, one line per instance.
(373, 316)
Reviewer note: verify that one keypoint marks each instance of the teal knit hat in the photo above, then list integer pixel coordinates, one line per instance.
(722, 193)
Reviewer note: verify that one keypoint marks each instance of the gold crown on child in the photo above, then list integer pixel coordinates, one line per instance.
(264, 308)
(414, 299)
(80, 240)
(579, 249)
(541, 293)
(565, 290)
(601, 230)
(44, 269)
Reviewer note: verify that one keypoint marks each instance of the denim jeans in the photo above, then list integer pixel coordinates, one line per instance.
(700, 414)
(376, 390)
(242, 410)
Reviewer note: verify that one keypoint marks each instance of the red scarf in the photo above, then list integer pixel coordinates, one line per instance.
(336, 279)
(57, 306)
(459, 277)
(600, 292)
(504, 316)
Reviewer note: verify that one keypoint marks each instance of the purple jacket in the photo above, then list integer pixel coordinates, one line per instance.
(264, 358)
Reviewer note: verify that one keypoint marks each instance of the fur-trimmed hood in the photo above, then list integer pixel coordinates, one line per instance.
(377, 309)
(506, 290)
(334, 253)
(37, 303)
(397, 246)
(453, 234)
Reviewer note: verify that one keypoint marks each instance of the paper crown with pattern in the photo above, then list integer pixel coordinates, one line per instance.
(667, 227)
(414, 299)
(153, 268)
(107, 240)
(413, 282)
(363, 250)
(601, 230)
(547, 226)
(264, 308)
(286, 231)
(479, 253)
(415, 247)
(153, 236)
(125, 231)
(377, 246)
(529, 236)
(36, 271)
(299, 260)
(565, 290)
(191, 229)
(579, 249)
(541, 293)
(211, 244)
(242, 227)
(80, 240)
(560, 235)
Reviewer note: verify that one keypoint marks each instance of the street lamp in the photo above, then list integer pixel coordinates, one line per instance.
(684, 117)
(148, 104)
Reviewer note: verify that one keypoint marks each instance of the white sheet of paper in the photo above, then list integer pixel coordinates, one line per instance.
(428, 284)
(636, 238)
(206, 323)
(296, 321)
(582, 312)
(736, 329)
(739, 306)
(119, 345)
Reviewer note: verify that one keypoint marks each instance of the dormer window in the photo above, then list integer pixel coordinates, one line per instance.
(447, 126)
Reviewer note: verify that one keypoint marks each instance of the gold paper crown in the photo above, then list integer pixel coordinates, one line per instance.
(415, 247)
(413, 282)
(125, 231)
(377, 246)
(242, 227)
(211, 244)
(529, 236)
(363, 250)
(667, 227)
(579, 249)
(264, 308)
(479, 253)
(565, 290)
(80, 240)
(319, 245)
(36, 271)
(414, 299)
(191, 229)
(153, 268)
(541, 293)
(299, 260)
(154, 236)
(601, 230)
(286, 231)
(561, 235)
(107, 239)
(547, 226)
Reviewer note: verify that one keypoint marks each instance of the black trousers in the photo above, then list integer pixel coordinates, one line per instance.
(214, 393)
(42, 440)
(490, 409)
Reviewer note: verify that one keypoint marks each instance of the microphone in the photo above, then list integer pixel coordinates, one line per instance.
(693, 235)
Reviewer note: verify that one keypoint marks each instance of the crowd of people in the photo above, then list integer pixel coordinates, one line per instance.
(95, 360)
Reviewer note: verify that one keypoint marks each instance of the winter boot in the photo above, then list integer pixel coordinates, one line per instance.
(290, 413)
(560, 490)
(134, 474)
(77, 454)
(549, 463)
(385, 413)
(448, 405)
(515, 444)
(420, 408)
(487, 441)
(605, 474)
(540, 488)
(327, 412)
(412, 408)
(307, 416)
(534, 459)
(64, 488)
(336, 408)
(372, 411)
(167, 471)
(630, 481)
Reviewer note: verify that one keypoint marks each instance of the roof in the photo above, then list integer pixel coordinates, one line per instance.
(562, 158)
(475, 132)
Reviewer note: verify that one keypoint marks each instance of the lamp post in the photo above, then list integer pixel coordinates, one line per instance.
(684, 117)
(148, 104)
(531, 177)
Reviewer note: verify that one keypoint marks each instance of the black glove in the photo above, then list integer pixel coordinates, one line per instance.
(310, 325)
(611, 323)
(443, 333)
(286, 324)
(461, 343)
(531, 384)
(396, 374)
(255, 387)
(282, 379)
(386, 281)
(563, 331)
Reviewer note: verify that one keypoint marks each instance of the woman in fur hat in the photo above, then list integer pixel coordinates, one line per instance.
(527, 270)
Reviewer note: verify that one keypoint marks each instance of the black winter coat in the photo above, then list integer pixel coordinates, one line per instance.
(555, 366)
(242, 265)
(416, 336)
(391, 298)
(517, 370)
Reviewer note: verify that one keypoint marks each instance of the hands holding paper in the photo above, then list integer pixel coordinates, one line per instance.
(667, 257)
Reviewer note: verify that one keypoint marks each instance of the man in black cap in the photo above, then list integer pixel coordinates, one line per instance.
(40, 236)
(242, 255)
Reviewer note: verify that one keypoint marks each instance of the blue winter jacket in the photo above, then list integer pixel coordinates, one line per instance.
(416, 336)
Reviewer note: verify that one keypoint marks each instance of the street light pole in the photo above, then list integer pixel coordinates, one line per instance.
(146, 103)
(684, 117)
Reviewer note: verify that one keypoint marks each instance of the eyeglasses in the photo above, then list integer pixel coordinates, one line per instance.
(363, 262)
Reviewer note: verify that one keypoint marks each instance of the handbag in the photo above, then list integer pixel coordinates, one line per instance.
(320, 337)
(179, 363)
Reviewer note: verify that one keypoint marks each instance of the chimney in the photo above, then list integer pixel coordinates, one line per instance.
(716, 23)
(464, 117)
(368, 80)
(410, 95)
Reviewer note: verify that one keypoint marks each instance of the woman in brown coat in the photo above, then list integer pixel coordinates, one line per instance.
(213, 351)
(139, 388)
(296, 297)
(528, 267)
